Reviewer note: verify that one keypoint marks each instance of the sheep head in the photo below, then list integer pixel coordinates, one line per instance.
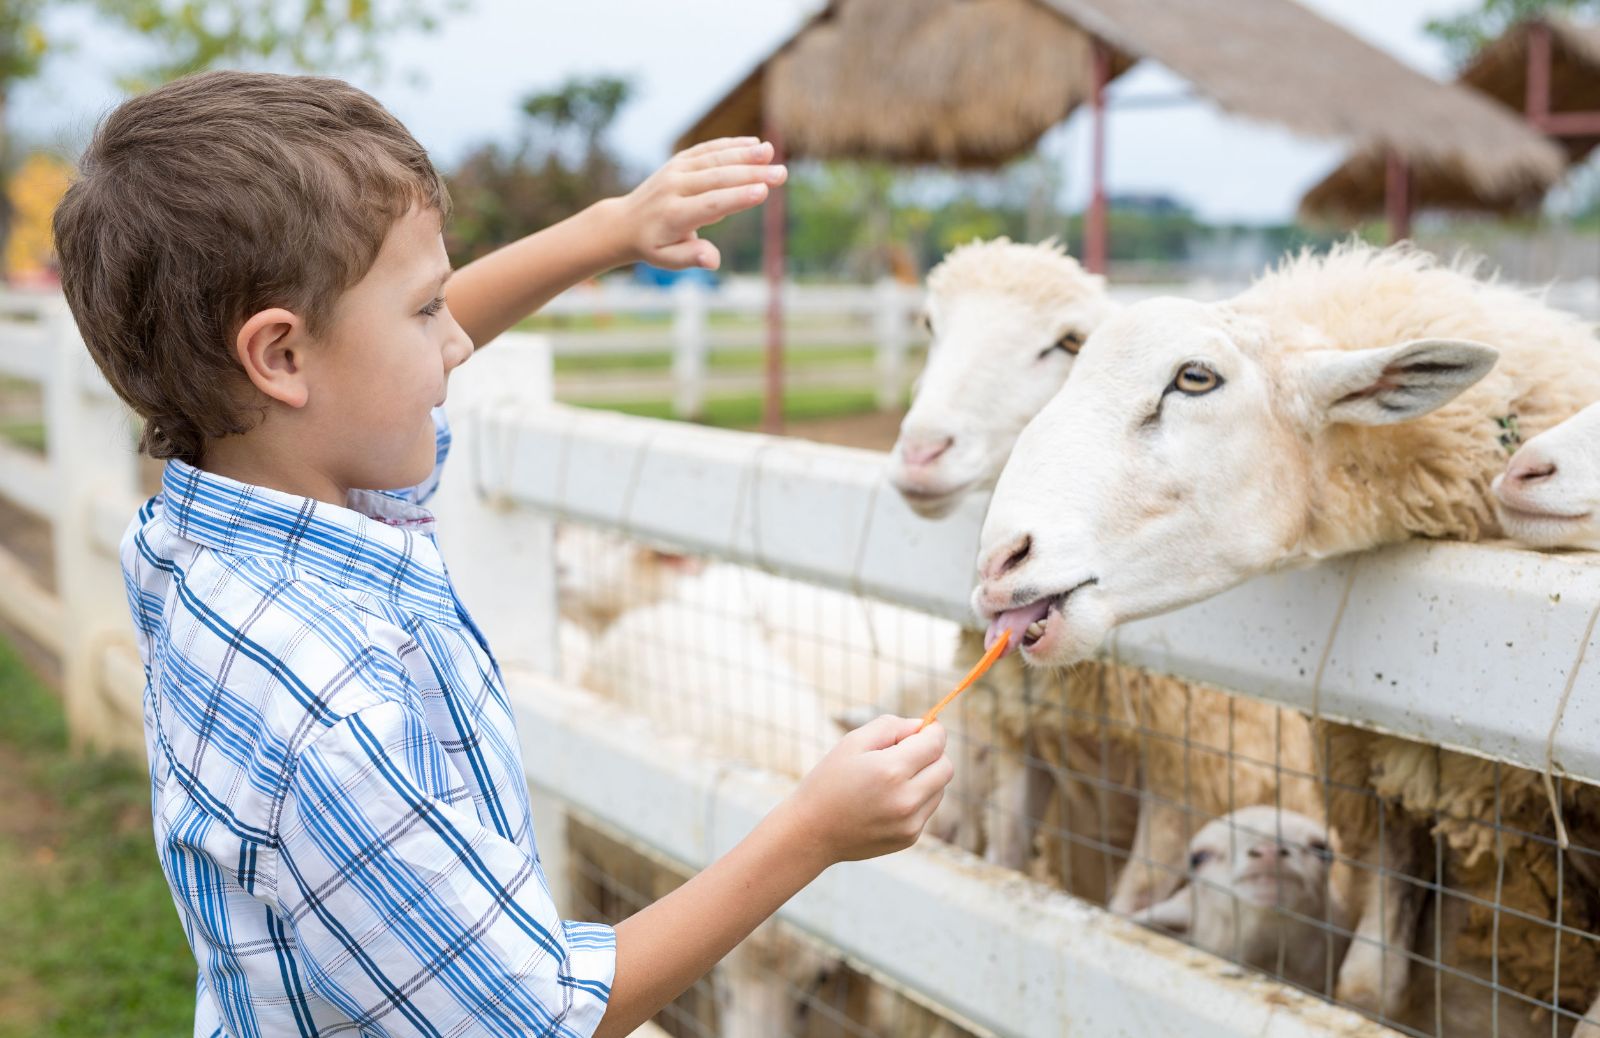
(1178, 461)
(1006, 320)
(1549, 495)
(1249, 874)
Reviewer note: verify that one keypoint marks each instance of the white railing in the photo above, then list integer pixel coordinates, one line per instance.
(693, 322)
(1430, 618)
(85, 482)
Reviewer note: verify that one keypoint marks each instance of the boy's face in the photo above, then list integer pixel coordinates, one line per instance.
(383, 362)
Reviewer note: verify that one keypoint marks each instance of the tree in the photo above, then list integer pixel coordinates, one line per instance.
(190, 35)
(559, 164)
(1465, 34)
(22, 51)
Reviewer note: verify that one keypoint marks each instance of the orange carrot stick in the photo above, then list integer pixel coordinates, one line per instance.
(978, 671)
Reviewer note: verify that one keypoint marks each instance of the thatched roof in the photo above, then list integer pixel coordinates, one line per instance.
(959, 82)
(1498, 72)
(977, 82)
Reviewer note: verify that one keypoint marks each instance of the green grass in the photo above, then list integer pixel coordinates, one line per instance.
(753, 359)
(744, 412)
(29, 435)
(92, 940)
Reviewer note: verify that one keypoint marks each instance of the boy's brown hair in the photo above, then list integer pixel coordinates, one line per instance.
(210, 199)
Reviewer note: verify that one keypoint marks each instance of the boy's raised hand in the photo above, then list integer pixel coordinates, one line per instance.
(661, 218)
(873, 793)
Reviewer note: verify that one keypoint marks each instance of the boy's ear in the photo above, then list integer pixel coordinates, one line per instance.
(270, 349)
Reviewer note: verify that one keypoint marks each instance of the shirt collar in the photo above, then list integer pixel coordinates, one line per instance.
(379, 544)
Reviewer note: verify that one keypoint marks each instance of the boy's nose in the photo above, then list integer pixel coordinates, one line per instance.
(458, 349)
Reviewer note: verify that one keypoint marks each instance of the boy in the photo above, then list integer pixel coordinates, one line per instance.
(255, 262)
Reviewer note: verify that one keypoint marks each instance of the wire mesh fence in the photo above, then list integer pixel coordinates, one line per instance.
(1438, 893)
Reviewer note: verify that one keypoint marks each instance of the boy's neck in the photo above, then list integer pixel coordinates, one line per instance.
(244, 459)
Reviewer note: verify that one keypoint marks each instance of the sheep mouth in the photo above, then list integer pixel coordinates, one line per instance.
(1031, 624)
(1540, 515)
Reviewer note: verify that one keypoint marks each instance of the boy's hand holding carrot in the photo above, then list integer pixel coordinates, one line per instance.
(874, 791)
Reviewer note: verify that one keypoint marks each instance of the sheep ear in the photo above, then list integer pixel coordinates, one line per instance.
(1392, 383)
(1176, 913)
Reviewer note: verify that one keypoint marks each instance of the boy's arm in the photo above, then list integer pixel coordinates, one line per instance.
(656, 223)
(871, 795)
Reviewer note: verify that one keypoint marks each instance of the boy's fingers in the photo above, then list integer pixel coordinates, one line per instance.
(880, 733)
(757, 154)
(712, 206)
(926, 811)
(694, 252)
(918, 750)
(716, 177)
(934, 778)
(716, 144)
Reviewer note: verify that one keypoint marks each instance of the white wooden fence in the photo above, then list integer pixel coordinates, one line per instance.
(85, 487)
(1002, 954)
(693, 324)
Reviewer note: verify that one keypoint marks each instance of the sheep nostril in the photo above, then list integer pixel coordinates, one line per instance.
(925, 452)
(1532, 471)
(1018, 556)
(1007, 557)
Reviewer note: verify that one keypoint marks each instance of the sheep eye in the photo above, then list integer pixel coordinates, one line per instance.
(925, 321)
(1195, 379)
(1199, 858)
(1321, 849)
(1070, 344)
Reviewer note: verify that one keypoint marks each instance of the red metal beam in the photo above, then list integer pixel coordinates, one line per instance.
(1570, 124)
(774, 226)
(1096, 229)
(1397, 197)
(1538, 84)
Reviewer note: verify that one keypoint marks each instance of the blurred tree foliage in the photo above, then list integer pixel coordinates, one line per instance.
(1464, 34)
(190, 35)
(559, 164)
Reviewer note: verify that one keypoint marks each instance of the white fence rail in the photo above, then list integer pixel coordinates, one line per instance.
(88, 472)
(691, 326)
(1423, 621)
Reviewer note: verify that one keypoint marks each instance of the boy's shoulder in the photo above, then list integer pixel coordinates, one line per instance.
(253, 636)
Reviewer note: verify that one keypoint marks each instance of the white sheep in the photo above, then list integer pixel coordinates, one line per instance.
(1007, 321)
(1257, 890)
(1549, 494)
(600, 574)
(1340, 403)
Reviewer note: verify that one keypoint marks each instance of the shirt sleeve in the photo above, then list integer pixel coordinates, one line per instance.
(416, 918)
(419, 494)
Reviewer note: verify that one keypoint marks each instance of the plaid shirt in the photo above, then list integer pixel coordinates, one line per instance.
(340, 807)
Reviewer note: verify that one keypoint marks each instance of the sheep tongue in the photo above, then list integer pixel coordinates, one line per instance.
(1017, 622)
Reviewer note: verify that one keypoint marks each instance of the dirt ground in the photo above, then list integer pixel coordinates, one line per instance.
(876, 430)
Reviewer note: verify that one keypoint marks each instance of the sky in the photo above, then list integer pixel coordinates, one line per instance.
(461, 85)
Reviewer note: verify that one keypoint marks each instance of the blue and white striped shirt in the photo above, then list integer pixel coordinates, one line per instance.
(339, 799)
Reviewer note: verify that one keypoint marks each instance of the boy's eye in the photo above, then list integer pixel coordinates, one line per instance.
(434, 306)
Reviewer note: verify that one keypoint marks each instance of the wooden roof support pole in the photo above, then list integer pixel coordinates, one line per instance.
(1538, 85)
(774, 227)
(1397, 197)
(1097, 228)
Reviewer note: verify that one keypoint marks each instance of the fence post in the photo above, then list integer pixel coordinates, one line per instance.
(88, 436)
(893, 337)
(690, 346)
